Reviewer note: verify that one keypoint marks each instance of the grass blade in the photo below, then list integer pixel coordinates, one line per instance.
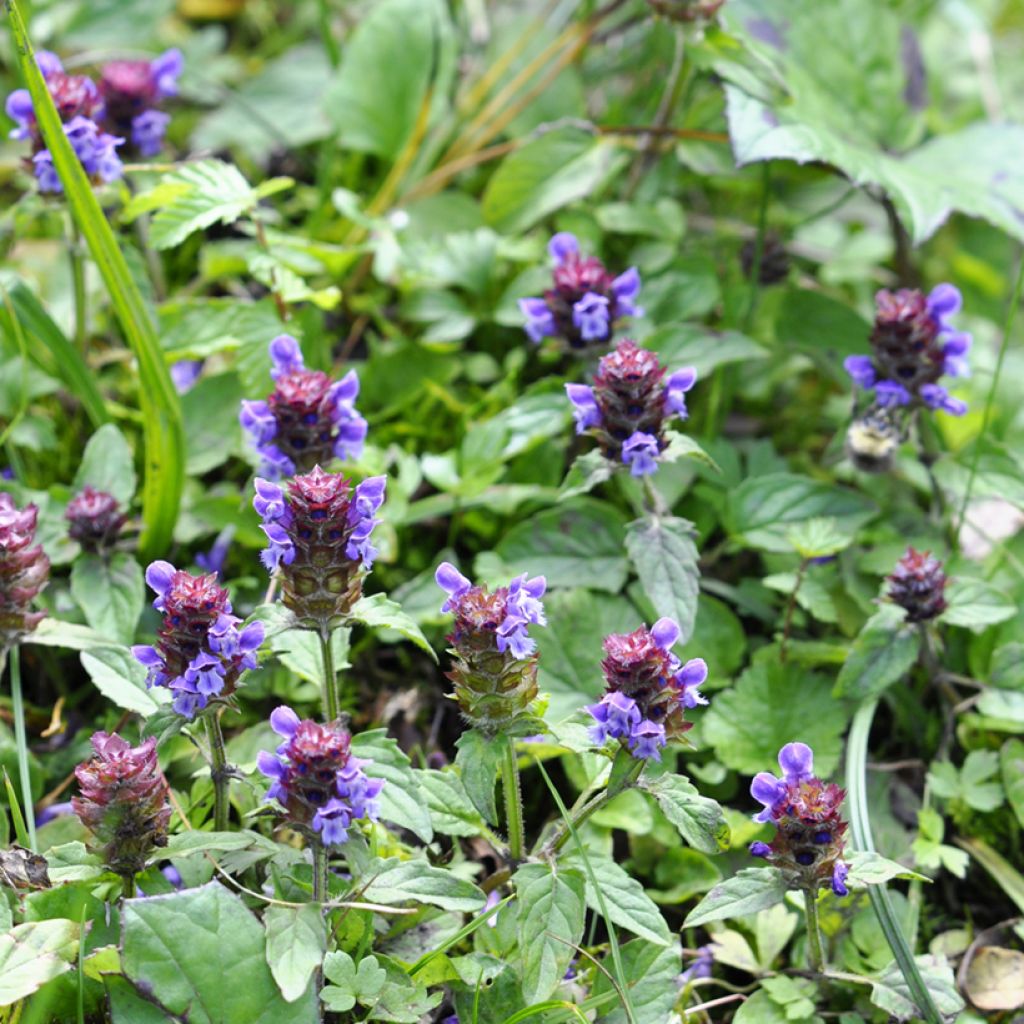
(1008, 877)
(163, 430)
(860, 834)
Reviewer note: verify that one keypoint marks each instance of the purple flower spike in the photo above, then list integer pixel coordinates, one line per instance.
(285, 356)
(766, 790)
(452, 582)
(889, 392)
(647, 740)
(797, 762)
(148, 131)
(591, 316)
(616, 716)
(689, 679)
(159, 576)
(935, 396)
(640, 453)
(563, 246)
(185, 373)
(759, 849)
(665, 632)
(839, 875)
(861, 370)
(625, 289)
(585, 408)
(284, 721)
(166, 70)
(675, 391)
(540, 321)
(944, 300)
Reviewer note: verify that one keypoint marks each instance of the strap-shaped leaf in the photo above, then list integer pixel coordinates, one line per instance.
(161, 412)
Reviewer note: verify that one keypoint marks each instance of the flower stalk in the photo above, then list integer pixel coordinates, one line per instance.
(513, 800)
(330, 686)
(21, 742)
(815, 951)
(219, 771)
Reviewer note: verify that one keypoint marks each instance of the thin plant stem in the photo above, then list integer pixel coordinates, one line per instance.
(218, 771)
(513, 800)
(332, 707)
(815, 952)
(77, 261)
(986, 419)
(21, 742)
(128, 886)
(331, 47)
(319, 872)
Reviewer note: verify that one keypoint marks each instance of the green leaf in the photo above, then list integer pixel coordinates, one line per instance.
(747, 892)
(350, 984)
(386, 71)
(379, 612)
(184, 844)
(975, 604)
(760, 1008)
(202, 953)
(929, 850)
(296, 943)
(478, 760)
(551, 915)
(451, 811)
(110, 591)
(890, 991)
(120, 678)
(585, 473)
(108, 465)
(299, 649)
(212, 431)
(818, 538)
(1011, 764)
(401, 800)
(701, 347)
(649, 971)
(34, 953)
(763, 508)
(196, 196)
(974, 783)
(823, 327)
(627, 903)
(158, 401)
(543, 176)
(578, 544)
(749, 723)
(870, 868)
(398, 881)
(665, 558)
(699, 819)
(884, 651)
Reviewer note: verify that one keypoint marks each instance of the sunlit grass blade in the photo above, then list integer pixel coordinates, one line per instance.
(860, 833)
(1009, 878)
(66, 361)
(20, 832)
(162, 424)
(465, 931)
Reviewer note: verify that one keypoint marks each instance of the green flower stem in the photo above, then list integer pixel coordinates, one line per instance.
(21, 741)
(513, 800)
(319, 872)
(815, 952)
(218, 771)
(128, 886)
(77, 260)
(332, 707)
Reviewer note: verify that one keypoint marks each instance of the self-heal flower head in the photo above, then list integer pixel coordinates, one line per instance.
(494, 669)
(94, 519)
(200, 651)
(24, 571)
(914, 342)
(809, 837)
(123, 802)
(648, 690)
(96, 151)
(629, 406)
(322, 788)
(918, 585)
(585, 303)
(319, 530)
(307, 419)
(131, 91)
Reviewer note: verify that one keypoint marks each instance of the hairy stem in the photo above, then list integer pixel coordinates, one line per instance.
(128, 886)
(330, 688)
(21, 742)
(513, 800)
(815, 952)
(218, 771)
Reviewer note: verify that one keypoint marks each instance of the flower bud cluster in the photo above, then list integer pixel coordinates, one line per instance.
(809, 836)
(99, 119)
(319, 532)
(94, 519)
(24, 571)
(123, 801)
(649, 690)
(315, 778)
(585, 303)
(914, 344)
(494, 672)
(629, 405)
(918, 585)
(307, 419)
(200, 653)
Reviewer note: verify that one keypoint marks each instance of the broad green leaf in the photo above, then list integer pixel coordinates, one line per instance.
(450, 809)
(975, 783)
(760, 1008)
(387, 68)
(884, 651)
(1011, 764)
(108, 465)
(749, 723)
(889, 990)
(158, 401)
(184, 844)
(930, 852)
(651, 971)
(1007, 670)
(665, 558)
(120, 678)
(379, 612)
(398, 881)
(628, 904)
(53, 632)
(763, 508)
(72, 862)
(351, 984)
(701, 347)
(545, 175)
(699, 819)
(212, 432)
(975, 604)
(34, 953)
(577, 544)
(818, 538)
(747, 892)
(824, 328)
(586, 472)
(870, 868)
(110, 591)
(299, 649)
(478, 760)
(296, 943)
(401, 800)
(551, 915)
(202, 952)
